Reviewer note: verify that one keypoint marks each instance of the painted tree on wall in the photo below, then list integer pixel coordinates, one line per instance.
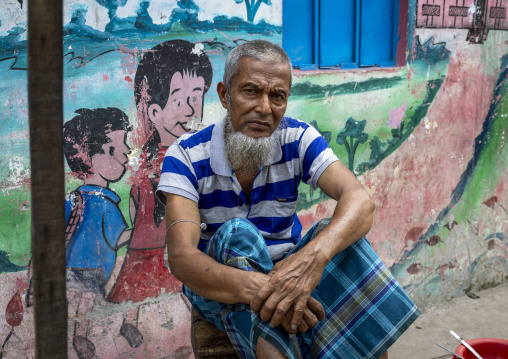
(327, 135)
(252, 7)
(353, 130)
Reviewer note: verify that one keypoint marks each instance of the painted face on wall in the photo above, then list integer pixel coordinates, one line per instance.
(110, 165)
(185, 102)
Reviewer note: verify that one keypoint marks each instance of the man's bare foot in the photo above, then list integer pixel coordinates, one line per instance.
(265, 350)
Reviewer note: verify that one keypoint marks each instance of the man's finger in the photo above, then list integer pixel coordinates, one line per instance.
(279, 313)
(316, 308)
(309, 318)
(303, 327)
(260, 297)
(286, 322)
(275, 305)
(298, 310)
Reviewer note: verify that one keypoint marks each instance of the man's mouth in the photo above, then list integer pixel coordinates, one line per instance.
(259, 124)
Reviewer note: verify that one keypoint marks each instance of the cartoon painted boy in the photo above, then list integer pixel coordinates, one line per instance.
(96, 152)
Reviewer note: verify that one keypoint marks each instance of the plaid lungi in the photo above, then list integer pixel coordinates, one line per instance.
(366, 309)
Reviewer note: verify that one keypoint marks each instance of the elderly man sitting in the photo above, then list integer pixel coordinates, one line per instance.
(234, 238)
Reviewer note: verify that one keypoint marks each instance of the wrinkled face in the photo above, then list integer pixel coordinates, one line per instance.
(185, 102)
(258, 96)
(110, 165)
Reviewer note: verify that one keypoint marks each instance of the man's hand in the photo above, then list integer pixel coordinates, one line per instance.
(311, 316)
(292, 281)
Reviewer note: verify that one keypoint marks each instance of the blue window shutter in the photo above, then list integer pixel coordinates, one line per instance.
(338, 33)
(379, 22)
(298, 31)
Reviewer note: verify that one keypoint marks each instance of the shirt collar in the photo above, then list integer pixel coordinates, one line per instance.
(219, 159)
(100, 191)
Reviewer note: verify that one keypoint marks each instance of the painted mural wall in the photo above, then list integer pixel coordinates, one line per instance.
(427, 139)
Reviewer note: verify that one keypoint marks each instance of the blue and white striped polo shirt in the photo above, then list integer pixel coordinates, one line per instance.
(196, 166)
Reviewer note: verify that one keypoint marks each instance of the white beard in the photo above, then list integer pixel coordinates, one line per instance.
(246, 153)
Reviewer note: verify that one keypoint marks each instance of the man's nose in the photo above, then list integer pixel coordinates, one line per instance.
(263, 105)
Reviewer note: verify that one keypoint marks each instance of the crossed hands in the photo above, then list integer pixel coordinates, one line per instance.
(285, 298)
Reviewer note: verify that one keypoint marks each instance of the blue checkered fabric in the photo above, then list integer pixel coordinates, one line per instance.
(366, 309)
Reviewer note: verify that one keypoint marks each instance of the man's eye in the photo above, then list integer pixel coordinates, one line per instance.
(278, 98)
(111, 151)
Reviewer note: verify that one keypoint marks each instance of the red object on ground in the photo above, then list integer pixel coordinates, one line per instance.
(488, 348)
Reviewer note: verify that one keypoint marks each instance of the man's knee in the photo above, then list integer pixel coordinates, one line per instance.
(239, 224)
(236, 231)
(265, 350)
(239, 238)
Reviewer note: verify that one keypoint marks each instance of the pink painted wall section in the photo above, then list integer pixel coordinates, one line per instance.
(416, 182)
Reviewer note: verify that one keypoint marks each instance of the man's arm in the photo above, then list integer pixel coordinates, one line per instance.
(353, 215)
(198, 271)
(209, 278)
(293, 279)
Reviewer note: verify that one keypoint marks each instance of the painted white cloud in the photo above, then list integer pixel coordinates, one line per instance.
(13, 15)
(128, 10)
(209, 9)
(160, 10)
(96, 15)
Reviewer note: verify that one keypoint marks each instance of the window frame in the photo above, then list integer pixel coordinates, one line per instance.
(397, 47)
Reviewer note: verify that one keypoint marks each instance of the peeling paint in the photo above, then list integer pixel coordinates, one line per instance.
(134, 159)
(396, 116)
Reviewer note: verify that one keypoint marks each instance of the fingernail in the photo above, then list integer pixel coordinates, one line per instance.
(293, 327)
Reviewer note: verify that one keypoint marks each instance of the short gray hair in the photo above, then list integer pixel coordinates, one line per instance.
(257, 49)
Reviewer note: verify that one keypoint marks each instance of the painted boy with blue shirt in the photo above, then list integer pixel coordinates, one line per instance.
(96, 151)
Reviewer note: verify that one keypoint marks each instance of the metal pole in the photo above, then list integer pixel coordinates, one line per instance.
(45, 79)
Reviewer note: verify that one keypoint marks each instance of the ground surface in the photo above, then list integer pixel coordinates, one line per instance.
(484, 317)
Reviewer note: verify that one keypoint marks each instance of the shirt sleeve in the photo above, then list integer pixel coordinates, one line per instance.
(315, 156)
(178, 175)
(113, 223)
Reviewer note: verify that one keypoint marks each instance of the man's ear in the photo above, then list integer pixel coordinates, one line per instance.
(222, 90)
(155, 113)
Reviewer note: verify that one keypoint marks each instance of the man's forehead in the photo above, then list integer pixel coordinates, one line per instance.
(259, 72)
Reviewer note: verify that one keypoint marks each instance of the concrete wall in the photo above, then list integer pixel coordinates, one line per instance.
(433, 157)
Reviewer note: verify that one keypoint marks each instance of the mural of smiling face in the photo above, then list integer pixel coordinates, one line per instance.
(95, 144)
(169, 87)
(110, 165)
(185, 102)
